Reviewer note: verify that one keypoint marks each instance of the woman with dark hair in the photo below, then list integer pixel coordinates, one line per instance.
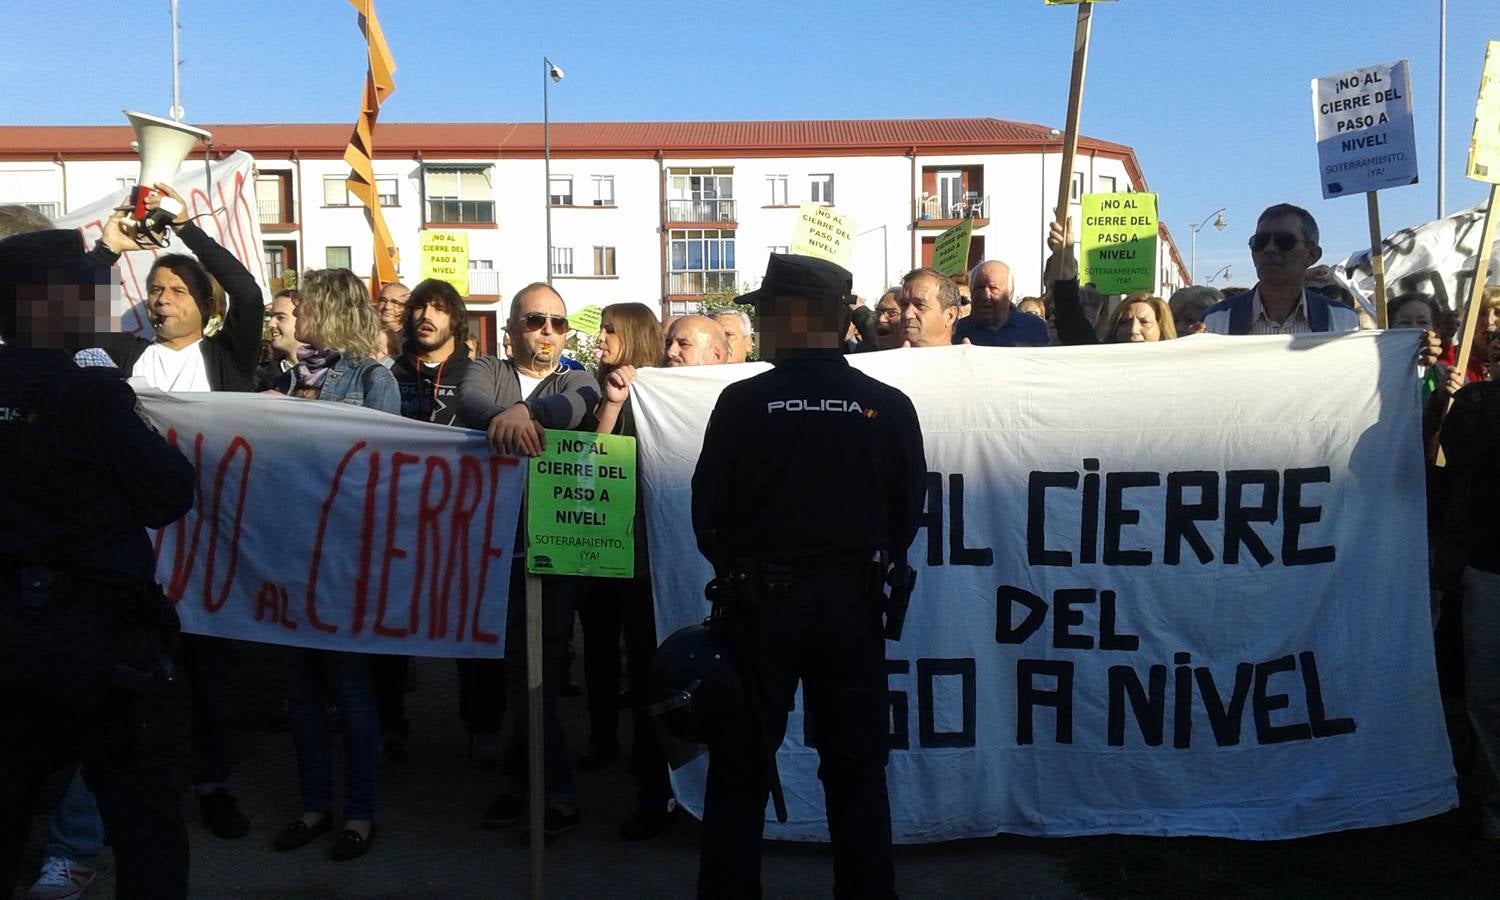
(630, 337)
(341, 333)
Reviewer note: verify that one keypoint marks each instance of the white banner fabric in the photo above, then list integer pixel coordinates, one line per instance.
(221, 201)
(333, 526)
(1183, 592)
(1436, 258)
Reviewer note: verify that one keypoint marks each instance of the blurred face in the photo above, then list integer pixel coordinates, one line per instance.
(691, 342)
(610, 345)
(172, 309)
(1284, 255)
(924, 321)
(1413, 314)
(282, 324)
(1489, 321)
(1138, 325)
(432, 328)
(888, 321)
(989, 295)
(740, 341)
(391, 304)
(539, 329)
(1189, 321)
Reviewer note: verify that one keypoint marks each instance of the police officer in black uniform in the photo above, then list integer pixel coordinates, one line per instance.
(771, 503)
(84, 632)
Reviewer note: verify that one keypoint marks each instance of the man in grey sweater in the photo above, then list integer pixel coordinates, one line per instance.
(514, 401)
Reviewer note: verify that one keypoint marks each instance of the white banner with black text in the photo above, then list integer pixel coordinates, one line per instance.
(1177, 588)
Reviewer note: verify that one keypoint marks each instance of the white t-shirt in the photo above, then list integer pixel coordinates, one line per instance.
(528, 384)
(166, 369)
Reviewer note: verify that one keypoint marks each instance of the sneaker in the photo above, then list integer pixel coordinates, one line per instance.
(60, 878)
(221, 814)
(503, 811)
(557, 820)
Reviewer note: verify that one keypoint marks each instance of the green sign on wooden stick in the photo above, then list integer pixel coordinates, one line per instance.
(580, 506)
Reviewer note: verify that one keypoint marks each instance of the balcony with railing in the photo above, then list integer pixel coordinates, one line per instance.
(484, 283)
(696, 284)
(50, 210)
(716, 210)
(931, 211)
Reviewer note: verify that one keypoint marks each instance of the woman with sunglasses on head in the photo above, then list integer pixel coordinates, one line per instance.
(341, 335)
(630, 337)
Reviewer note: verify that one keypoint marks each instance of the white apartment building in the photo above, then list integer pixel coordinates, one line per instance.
(657, 212)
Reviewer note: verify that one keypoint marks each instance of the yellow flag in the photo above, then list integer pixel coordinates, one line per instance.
(379, 82)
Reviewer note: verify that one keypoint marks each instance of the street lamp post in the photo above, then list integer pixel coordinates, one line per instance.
(1219, 224)
(1224, 271)
(550, 72)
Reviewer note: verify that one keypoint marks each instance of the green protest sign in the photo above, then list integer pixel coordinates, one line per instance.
(1119, 242)
(586, 320)
(580, 506)
(950, 250)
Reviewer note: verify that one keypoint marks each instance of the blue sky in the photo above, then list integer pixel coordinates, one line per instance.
(1213, 95)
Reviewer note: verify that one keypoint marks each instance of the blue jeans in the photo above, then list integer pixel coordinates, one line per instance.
(558, 594)
(76, 832)
(348, 679)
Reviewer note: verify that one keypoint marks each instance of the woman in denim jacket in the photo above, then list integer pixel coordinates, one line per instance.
(341, 334)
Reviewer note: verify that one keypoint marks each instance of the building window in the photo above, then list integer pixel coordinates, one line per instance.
(700, 194)
(1075, 194)
(778, 189)
(604, 260)
(483, 279)
(339, 258)
(459, 195)
(562, 260)
(821, 189)
(779, 248)
(275, 262)
(273, 197)
(1106, 184)
(336, 191)
(604, 190)
(126, 184)
(560, 190)
(701, 261)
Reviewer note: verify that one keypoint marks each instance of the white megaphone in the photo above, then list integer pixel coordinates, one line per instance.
(162, 145)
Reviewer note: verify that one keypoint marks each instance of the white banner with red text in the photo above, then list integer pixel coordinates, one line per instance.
(1170, 589)
(221, 200)
(333, 526)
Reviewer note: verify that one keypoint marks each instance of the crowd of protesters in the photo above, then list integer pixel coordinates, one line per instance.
(409, 353)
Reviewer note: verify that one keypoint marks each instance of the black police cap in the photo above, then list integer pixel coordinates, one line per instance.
(791, 275)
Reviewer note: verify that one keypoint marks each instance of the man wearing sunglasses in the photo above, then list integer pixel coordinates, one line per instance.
(1284, 245)
(514, 401)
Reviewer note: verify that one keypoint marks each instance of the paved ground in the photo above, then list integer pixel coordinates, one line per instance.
(430, 844)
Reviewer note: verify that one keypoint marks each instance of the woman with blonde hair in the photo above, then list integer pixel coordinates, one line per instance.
(342, 336)
(1141, 318)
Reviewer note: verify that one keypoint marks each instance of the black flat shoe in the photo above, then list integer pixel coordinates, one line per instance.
(300, 834)
(350, 844)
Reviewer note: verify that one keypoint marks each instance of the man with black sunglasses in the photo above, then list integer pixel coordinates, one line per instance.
(1284, 245)
(514, 401)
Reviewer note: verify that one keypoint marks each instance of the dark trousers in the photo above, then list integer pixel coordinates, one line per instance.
(208, 663)
(606, 607)
(826, 632)
(558, 594)
(481, 694)
(390, 694)
(62, 702)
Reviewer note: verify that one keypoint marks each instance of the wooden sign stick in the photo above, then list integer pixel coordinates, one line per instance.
(1377, 262)
(1075, 105)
